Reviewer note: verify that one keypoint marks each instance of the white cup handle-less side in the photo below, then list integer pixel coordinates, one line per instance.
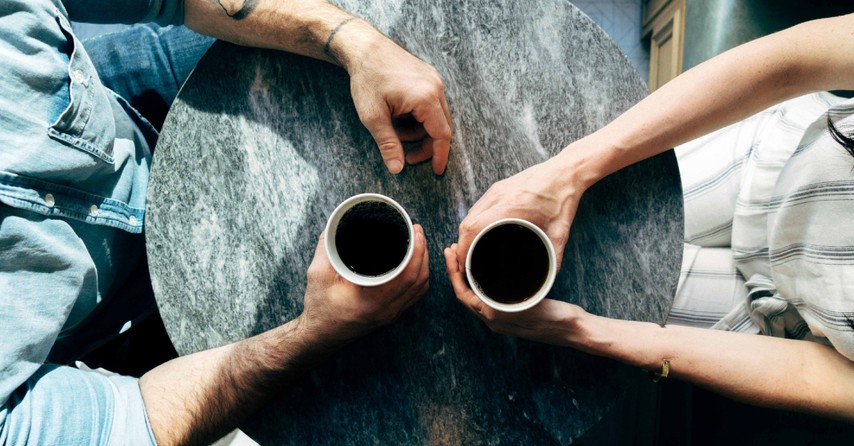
(544, 289)
(332, 251)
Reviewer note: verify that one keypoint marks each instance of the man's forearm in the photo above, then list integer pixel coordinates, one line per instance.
(196, 399)
(760, 370)
(312, 28)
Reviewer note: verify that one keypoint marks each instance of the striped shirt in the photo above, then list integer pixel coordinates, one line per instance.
(769, 245)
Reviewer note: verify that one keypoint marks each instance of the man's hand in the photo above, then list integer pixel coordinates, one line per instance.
(551, 321)
(337, 311)
(401, 98)
(398, 96)
(197, 398)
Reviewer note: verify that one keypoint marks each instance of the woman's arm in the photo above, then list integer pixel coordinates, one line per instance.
(813, 56)
(765, 371)
(741, 82)
(761, 370)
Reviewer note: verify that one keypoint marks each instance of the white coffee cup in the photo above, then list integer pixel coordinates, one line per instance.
(332, 249)
(540, 293)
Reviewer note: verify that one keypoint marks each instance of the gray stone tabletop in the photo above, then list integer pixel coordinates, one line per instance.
(261, 146)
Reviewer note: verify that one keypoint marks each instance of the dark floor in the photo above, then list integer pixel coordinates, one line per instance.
(667, 413)
(695, 416)
(679, 414)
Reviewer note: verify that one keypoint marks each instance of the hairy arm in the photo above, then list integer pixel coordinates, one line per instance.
(196, 399)
(296, 26)
(200, 397)
(386, 82)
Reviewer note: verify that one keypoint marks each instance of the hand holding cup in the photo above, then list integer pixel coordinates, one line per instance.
(337, 310)
(511, 265)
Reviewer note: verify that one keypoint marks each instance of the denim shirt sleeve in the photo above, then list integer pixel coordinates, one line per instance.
(64, 405)
(46, 271)
(163, 12)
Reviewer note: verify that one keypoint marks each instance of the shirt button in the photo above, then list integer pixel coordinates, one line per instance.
(78, 76)
(133, 221)
(49, 200)
(93, 211)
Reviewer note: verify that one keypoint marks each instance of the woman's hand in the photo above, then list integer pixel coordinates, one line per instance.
(551, 321)
(544, 194)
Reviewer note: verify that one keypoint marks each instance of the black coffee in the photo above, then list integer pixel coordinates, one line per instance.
(510, 263)
(372, 238)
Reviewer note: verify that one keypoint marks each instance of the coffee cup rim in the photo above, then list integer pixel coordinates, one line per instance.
(544, 289)
(332, 228)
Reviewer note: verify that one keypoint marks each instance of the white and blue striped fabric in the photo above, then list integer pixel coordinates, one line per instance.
(769, 226)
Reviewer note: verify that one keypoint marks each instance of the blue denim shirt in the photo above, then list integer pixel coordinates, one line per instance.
(74, 164)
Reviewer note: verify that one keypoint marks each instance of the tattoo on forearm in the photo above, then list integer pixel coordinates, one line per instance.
(238, 9)
(335, 30)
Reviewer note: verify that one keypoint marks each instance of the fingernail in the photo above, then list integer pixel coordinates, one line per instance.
(394, 166)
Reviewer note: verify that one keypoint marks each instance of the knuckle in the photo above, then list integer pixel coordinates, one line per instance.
(387, 147)
(313, 271)
(467, 226)
(372, 119)
(435, 79)
(423, 95)
(430, 90)
(438, 83)
(444, 131)
(435, 89)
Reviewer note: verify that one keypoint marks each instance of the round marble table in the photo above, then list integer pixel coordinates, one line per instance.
(261, 145)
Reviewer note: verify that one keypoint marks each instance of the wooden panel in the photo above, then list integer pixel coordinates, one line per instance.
(665, 62)
(651, 8)
(666, 44)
